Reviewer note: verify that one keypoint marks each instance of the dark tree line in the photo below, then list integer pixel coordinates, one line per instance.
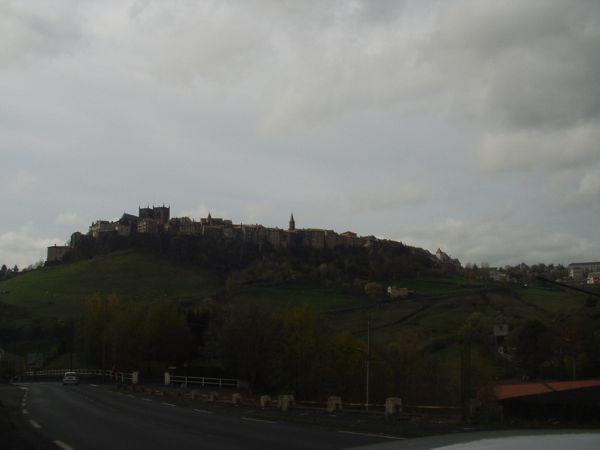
(6, 273)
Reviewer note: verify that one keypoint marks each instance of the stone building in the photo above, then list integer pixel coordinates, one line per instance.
(184, 225)
(76, 238)
(101, 227)
(148, 226)
(161, 214)
(157, 220)
(56, 253)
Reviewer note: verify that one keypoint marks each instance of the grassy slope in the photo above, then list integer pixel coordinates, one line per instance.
(283, 296)
(62, 291)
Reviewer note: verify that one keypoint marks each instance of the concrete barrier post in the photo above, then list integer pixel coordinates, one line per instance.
(213, 396)
(135, 377)
(265, 400)
(285, 402)
(167, 378)
(195, 394)
(393, 406)
(334, 403)
(236, 399)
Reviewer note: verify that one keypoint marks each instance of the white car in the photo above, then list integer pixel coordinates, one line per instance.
(70, 378)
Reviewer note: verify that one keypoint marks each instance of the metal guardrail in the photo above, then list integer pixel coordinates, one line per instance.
(203, 381)
(111, 375)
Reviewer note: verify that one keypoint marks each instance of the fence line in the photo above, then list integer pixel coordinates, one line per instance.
(131, 377)
(202, 381)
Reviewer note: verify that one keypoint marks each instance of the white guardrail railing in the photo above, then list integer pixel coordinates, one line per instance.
(132, 377)
(202, 381)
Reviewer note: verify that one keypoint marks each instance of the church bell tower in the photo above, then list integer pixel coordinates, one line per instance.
(292, 226)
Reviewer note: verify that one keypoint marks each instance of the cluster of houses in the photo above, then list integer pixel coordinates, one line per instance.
(585, 271)
(157, 220)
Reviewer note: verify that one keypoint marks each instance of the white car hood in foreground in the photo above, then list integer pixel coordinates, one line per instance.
(584, 441)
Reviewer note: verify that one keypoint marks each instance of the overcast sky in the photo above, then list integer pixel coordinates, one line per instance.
(468, 125)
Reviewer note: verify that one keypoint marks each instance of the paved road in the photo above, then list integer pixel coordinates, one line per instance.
(87, 417)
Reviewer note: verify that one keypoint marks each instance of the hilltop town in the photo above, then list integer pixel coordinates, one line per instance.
(157, 220)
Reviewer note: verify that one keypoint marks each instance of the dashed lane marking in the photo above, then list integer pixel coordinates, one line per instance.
(131, 396)
(168, 404)
(147, 399)
(257, 420)
(383, 436)
(34, 424)
(203, 411)
(95, 385)
(62, 445)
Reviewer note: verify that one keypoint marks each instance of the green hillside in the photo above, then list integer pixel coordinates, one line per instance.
(417, 336)
(438, 308)
(62, 291)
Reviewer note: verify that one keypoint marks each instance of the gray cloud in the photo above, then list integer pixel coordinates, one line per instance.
(381, 117)
(22, 182)
(502, 243)
(22, 247)
(37, 30)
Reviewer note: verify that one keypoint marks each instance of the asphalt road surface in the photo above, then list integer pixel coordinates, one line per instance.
(88, 417)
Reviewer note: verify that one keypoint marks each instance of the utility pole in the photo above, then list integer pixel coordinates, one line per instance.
(104, 307)
(15, 357)
(466, 377)
(368, 362)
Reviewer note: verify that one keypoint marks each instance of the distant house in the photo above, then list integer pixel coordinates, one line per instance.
(579, 271)
(498, 276)
(395, 292)
(593, 278)
(445, 259)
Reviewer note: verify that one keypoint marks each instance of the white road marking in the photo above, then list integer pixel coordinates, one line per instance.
(147, 399)
(24, 411)
(95, 385)
(258, 420)
(22, 387)
(62, 445)
(203, 411)
(132, 396)
(34, 424)
(371, 435)
(168, 404)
